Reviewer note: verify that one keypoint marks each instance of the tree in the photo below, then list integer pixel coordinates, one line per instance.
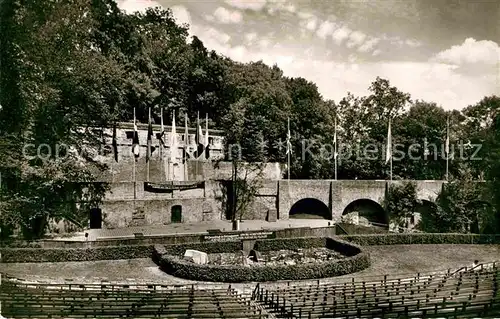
(247, 171)
(63, 87)
(422, 132)
(240, 193)
(478, 128)
(401, 202)
(364, 122)
(493, 171)
(458, 209)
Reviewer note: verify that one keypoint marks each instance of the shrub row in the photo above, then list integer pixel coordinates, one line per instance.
(421, 238)
(358, 260)
(25, 255)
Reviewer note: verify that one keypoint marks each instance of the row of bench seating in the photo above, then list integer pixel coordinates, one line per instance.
(459, 294)
(60, 301)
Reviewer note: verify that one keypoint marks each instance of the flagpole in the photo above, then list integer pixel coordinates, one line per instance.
(196, 142)
(390, 120)
(134, 170)
(391, 163)
(388, 154)
(186, 147)
(113, 171)
(114, 154)
(447, 146)
(206, 138)
(289, 150)
(166, 162)
(335, 147)
(149, 148)
(173, 146)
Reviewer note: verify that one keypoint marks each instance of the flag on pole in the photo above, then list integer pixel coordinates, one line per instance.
(150, 136)
(206, 144)
(173, 142)
(115, 143)
(186, 139)
(199, 138)
(288, 139)
(135, 140)
(388, 154)
(162, 130)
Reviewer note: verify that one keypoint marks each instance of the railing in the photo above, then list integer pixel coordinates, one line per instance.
(279, 304)
(371, 278)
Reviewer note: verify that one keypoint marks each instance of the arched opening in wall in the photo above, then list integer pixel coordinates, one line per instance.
(95, 218)
(365, 212)
(310, 208)
(176, 214)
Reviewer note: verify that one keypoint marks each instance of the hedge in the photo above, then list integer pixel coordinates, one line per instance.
(421, 238)
(357, 261)
(26, 255)
(32, 254)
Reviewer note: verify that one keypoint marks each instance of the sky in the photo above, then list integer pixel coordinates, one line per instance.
(441, 51)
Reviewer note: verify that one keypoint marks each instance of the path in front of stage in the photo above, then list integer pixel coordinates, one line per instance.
(194, 228)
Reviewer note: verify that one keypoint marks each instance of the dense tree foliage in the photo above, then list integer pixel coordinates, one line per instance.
(69, 66)
(401, 202)
(460, 208)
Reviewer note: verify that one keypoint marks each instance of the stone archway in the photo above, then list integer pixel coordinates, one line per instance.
(365, 212)
(310, 208)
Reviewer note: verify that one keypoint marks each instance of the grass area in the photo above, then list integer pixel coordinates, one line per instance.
(426, 258)
(404, 259)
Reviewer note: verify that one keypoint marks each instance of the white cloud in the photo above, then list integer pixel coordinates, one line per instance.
(355, 39)
(413, 43)
(341, 34)
(432, 82)
(311, 24)
(291, 8)
(131, 6)
(212, 38)
(264, 43)
(471, 52)
(305, 15)
(224, 15)
(250, 37)
(181, 14)
(255, 5)
(369, 45)
(281, 5)
(325, 29)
